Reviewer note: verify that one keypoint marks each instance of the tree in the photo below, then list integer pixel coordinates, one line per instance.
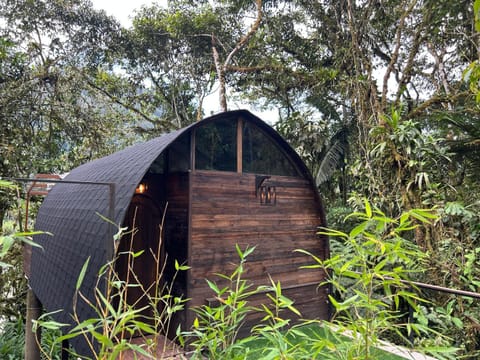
(51, 117)
(164, 56)
(176, 55)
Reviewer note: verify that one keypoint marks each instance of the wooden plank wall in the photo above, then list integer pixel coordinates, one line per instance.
(226, 211)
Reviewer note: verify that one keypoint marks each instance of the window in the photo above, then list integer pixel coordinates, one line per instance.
(179, 154)
(216, 146)
(176, 158)
(158, 166)
(261, 155)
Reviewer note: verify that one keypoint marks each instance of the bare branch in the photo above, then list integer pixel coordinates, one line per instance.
(394, 57)
(251, 32)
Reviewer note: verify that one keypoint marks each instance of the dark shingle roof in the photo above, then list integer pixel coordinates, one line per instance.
(70, 213)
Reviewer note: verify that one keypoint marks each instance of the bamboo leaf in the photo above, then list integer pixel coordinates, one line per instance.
(368, 208)
(82, 274)
(358, 229)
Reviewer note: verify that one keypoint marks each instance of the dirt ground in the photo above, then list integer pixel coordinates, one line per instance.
(160, 347)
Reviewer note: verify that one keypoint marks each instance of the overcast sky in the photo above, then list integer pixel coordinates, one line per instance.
(123, 9)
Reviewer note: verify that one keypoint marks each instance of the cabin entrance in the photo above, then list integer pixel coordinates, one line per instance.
(141, 256)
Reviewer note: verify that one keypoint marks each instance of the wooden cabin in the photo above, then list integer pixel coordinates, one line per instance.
(228, 179)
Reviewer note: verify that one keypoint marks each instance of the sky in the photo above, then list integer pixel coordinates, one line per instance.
(123, 10)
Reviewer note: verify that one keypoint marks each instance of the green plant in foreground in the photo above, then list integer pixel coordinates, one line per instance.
(8, 240)
(109, 332)
(12, 339)
(274, 337)
(371, 277)
(215, 330)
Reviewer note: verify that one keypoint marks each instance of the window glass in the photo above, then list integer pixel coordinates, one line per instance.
(261, 155)
(216, 146)
(158, 166)
(179, 154)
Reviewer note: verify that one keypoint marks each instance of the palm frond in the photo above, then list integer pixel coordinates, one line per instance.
(333, 158)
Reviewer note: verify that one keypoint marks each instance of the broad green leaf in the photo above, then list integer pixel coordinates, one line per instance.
(6, 241)
(239, 251)
(358, 229)
(138, 253)
(32, 243)
(51, 325)
(248, 251)
(179, 267)
(213, 286)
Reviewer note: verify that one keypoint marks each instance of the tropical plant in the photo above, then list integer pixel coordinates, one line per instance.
(215, 330)
(371, 278)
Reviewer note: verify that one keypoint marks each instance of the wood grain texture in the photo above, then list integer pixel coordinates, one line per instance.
(225, 211)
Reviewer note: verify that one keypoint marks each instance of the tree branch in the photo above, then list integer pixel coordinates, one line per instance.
(396, 51)
(251, 32)
(222, 68)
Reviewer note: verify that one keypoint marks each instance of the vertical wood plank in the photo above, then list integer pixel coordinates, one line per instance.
(192, 150)
(239, 145)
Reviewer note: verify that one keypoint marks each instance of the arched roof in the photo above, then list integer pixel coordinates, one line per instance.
(71, 214)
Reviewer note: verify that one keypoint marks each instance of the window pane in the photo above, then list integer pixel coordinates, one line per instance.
(216, 146)
(179, 154)
(158, 166)
(261, 155)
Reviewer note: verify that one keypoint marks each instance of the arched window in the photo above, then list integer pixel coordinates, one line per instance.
(216, 149)
(216, 146)
(261, 155)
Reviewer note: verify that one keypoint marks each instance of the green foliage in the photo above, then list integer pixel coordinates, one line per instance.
(472, 73)
(7, 241)
(215, 329)
(401, 160)
(167, 58)
(116, 320)
(12, 339)
(371, 277)
(54, 116)
(12, 281)
(74, 86)
(456, 265)
(472, 76)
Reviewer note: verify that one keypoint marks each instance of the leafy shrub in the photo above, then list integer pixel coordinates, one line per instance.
(12, 339)
(371, 279)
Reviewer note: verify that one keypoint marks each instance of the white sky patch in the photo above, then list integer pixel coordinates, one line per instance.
(124, 10)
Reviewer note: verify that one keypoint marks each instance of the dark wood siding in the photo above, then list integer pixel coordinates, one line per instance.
(176, 238)
(225, 211)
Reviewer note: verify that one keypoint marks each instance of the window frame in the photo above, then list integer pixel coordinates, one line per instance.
(239, 149)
